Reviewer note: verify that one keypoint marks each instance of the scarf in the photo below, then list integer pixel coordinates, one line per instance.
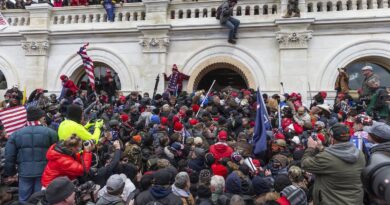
(34, 123)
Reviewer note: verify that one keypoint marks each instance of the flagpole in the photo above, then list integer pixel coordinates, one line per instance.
(311, 99)
(208, 92)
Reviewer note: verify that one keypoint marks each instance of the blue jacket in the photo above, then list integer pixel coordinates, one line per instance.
(27, 148)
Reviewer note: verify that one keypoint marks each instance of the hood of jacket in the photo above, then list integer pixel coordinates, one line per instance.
(383, 147)
(108, 199)
(159, 192)
(57, 151)
(345, 151)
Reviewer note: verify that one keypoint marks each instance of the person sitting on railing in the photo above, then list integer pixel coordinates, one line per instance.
(224, 14)
(109, 6)
(9, 5)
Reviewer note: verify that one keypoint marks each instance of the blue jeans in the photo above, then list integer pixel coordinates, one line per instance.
(28, 186)
(110, 9)
(233, 25)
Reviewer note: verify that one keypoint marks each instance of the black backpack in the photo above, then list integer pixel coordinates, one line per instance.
(219, 12)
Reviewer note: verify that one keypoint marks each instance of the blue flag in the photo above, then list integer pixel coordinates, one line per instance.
(261, 125)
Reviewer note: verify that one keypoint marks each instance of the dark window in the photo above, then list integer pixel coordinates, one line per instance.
(356, 78)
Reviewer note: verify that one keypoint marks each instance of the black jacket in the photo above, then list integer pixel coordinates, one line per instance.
(158, 194)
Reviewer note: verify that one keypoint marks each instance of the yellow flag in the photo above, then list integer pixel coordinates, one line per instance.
(24, 96)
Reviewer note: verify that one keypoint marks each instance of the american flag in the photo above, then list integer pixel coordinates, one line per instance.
(13, 118)
(3, 22)
(88, 64)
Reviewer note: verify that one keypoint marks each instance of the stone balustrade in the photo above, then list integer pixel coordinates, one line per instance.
(17, 17)
(344, 5)
(188, 10)
(96, 14)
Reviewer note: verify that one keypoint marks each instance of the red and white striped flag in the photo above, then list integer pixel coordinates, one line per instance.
(88, 65)
(13, 118)
(3, 22)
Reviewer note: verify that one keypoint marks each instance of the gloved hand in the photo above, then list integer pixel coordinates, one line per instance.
(89, 124)
(99, 124)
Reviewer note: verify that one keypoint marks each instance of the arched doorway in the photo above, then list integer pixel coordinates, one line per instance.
(100, 71)
(225, 75)
(380, 65)
(3, 81)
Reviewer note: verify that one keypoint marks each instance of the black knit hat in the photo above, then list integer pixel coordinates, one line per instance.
(74, 113)
(58, 190)
(34, 113)
(282, 181)
(162, 177)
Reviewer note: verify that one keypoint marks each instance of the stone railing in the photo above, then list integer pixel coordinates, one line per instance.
(17, 17)
(97, 14)
(344, 5)
(191, 10)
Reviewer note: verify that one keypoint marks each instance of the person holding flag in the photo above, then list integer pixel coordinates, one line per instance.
(176, 79)
(261, 125)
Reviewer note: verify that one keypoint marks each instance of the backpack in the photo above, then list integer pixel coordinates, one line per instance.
(219, 12)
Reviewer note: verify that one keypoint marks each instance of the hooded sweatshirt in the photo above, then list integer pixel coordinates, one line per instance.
(345, 151)
(337, 170)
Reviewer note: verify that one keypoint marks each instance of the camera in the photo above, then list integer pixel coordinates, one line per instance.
(376, 176)
(88, 143)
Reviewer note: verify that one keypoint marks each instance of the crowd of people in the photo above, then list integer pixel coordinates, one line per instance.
(86, 147)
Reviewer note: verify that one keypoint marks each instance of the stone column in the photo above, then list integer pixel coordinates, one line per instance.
(154, 42)
(293, 38)
(36, 46)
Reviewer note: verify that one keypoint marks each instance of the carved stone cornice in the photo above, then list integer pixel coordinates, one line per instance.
(36, 48)
(154, 44)
(293, 40)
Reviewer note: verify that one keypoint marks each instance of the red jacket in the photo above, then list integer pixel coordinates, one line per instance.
(60, 164)
(221, 150)
(70, 85)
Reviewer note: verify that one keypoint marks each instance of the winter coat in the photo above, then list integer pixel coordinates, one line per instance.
(377, 106)
(61, 162)
(341, 84)
(70, 85)
(69, 127)
(203, 201)
(160, 194)
(226, 12)
(366, 90)
(108, 199)
(180, 77)
(337, 170)
(221, 150)
(186, 197)
(105, 172)
(27, 149)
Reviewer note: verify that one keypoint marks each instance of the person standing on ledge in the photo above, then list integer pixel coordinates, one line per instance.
(176, 79)
(224, 14)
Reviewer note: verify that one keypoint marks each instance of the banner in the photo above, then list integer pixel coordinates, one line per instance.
(3, 22)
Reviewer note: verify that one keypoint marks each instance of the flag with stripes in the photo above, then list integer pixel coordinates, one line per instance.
(13, 119)
(3, 22)
(88, 65)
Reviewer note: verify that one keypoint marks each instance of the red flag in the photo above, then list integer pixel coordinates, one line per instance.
(13, 119)
(88, 65)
